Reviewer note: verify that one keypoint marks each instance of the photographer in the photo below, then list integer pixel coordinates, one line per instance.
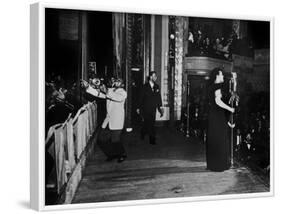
(57, 107)
(114, 120)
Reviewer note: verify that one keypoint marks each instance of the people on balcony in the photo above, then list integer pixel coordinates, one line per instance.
(201, 43)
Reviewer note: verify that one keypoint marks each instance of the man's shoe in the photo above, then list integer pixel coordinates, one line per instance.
(121, 158)
(152, 140)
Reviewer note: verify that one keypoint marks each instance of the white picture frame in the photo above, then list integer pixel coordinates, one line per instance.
(37, 95)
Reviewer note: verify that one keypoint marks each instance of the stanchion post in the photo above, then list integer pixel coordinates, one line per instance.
(187, 109)
(232, 90)
(231, 138)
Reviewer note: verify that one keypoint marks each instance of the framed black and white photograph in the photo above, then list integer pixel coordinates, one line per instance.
(134, 107)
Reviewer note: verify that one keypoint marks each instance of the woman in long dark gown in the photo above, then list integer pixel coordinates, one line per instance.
(218, 146)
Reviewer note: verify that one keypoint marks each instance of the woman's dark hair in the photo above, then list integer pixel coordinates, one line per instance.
(213, 75)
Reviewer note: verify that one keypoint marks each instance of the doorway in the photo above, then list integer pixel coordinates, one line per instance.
(198, 105)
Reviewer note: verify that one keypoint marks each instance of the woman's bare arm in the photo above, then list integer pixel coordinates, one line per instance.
(220, 103)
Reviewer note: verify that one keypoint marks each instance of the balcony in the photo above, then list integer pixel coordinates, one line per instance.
(202, 65)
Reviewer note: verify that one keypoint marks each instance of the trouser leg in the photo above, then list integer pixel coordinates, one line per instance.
(104, 142)
(149, 127)
(143, 131)
(116, 142)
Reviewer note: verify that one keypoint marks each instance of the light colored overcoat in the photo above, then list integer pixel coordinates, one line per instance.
(115, 116)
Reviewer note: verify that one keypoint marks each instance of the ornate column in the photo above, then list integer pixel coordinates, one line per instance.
(84, 47)
(240, 28)
(171, 67)
(118, 23)
(179, 54)
(186, 86)
(128, 65)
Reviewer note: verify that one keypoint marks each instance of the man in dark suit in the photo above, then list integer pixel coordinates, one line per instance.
(149, 101)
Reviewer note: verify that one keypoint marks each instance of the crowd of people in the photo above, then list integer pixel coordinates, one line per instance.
(61, 99)
(203, 44)
(253, 144)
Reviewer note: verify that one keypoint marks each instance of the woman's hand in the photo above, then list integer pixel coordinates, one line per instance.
(232, 110)
(234, 98)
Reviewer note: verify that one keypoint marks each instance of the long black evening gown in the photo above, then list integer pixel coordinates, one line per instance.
(218, 145)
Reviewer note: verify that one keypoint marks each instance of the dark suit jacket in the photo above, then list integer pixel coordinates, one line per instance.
(150, 99)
